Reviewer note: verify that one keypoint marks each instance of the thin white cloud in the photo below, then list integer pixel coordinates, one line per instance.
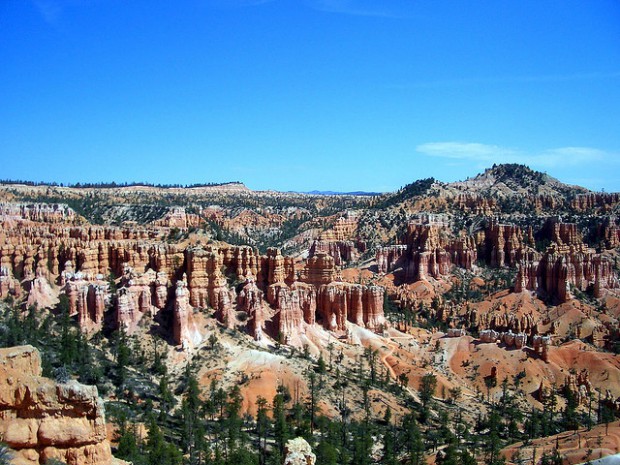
(484, 154)
(360, 8)
(52, 10)
(472, 81)
(49, 10)
(571, 156)
(227, 4)
(465, 151)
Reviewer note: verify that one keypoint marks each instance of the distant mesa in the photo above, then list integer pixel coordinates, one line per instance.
(230, 185)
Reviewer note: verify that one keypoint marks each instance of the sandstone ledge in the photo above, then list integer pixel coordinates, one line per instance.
(41, 419)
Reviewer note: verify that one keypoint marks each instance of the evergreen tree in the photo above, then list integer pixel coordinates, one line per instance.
(427, 391)
(280, 425)
(262, 428)
(158, 450)
(570, 418)
(128, 447)
(494, 445)
(411, 440)
(193, 431)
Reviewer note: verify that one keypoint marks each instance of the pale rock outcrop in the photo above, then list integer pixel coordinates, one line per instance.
(517, 340)
(184, 329)
(298, 452)
(88, 299)
(541, 346)
(489, 335)
(456, 332)
(177, 217)
(41, 293)
(39, 212)
(138, 297)
(9, 286)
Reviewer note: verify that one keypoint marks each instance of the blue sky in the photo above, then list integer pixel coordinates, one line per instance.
(308, 94)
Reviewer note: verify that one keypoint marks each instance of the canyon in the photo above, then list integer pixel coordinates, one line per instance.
(474, 282)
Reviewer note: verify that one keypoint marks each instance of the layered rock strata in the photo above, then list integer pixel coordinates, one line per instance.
(562, 268)
(428, 251)
(87, 263)
(43, 420)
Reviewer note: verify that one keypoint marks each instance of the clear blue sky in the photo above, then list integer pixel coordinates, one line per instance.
(308, 94)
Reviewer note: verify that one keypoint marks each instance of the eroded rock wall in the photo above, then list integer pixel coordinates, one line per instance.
(44, 420)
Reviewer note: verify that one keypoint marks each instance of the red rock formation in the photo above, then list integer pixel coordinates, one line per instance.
(344, 229)
(319, 270)
(205, 268)
(160, 292)
(339, 302)
(200, 265)
(609, 233)
(88, 299)
(81, 260)
(135, 297)
(43, 420)
(580, 385)
(289, 301)
(244, 261)
(341, 251)
(250, 301)
(504, 244)
(562, 233)
(389, 258)
(563, 267)
(279, 268)
(603, 202)
(373, 298)
(518, 323)
(429, 250)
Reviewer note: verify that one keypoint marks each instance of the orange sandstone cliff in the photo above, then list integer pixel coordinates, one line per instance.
(44, 420)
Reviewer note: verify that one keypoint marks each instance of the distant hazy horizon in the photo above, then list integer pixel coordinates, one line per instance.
(327, 95)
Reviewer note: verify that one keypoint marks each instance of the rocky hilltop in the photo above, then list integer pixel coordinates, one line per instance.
(503, 289)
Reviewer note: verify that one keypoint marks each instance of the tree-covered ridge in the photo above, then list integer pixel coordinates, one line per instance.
(415, 189)
(113, 184)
